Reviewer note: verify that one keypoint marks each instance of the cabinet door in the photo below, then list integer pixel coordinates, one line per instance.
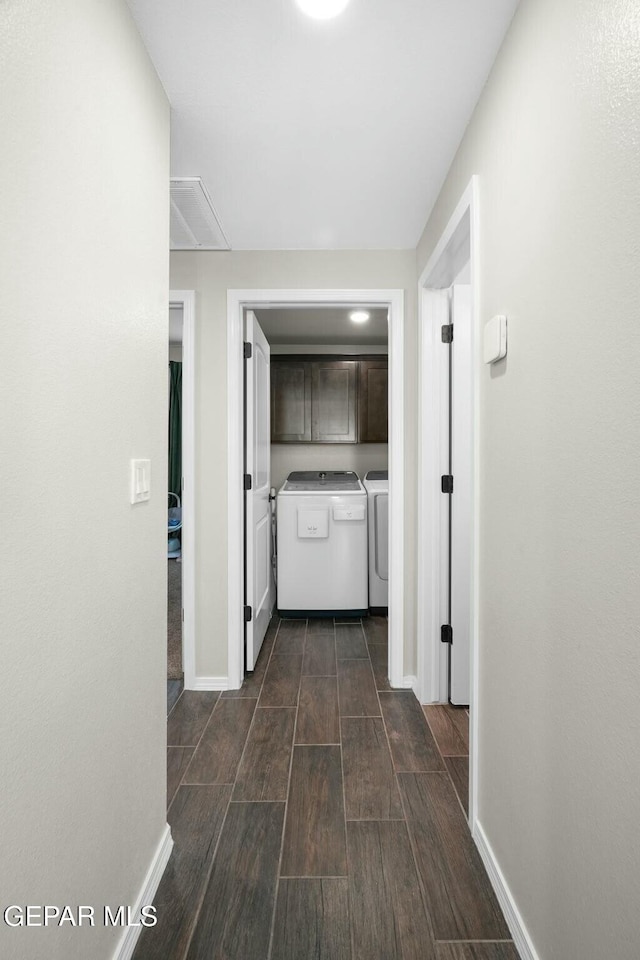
(373, 401)
(333, 403)
(290, 401)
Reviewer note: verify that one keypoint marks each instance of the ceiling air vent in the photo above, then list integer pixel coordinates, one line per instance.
(194, 222)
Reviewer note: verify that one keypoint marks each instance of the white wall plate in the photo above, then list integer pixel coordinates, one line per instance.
(495, 339)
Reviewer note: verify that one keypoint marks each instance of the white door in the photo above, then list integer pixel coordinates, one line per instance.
(258, 577)
(461, 468)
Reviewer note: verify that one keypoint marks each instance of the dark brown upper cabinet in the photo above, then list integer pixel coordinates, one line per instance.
(334, 401)
(373, 401)
(290, 401)
(328, 400)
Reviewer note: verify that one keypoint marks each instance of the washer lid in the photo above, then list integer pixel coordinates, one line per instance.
(322, 480)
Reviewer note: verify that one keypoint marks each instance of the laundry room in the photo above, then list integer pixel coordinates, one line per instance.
(328, 433)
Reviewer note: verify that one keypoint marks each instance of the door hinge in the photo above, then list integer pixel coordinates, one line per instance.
(248, 614)
(447, 483)
(446, 333)
(246, 483)
(247, 351)
(446, 633)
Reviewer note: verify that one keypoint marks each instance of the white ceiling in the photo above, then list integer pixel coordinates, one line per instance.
(321, 134)
(323, 325)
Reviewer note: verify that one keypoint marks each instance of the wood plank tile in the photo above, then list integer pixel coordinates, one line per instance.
(388, 918)
(290, 638)
(459, 897)
(190, 716)
(237, 909)
(320, 655)
(412, 745)
(370, 788)
(445, 730)
(252, 683)
(350, 642)
(318, 718)
(319, 625)
(280, 688)
(379, 656)
(376, 630)
(356, 689)
(477, 951)
(346, 619)
(196, 818)
(264, 770)
(174, 689)
(458, 768)
(460, 717)
(314, 837)
(218, 754)
(178, 759)
(312, 920)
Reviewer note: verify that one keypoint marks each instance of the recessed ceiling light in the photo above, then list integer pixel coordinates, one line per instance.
(322, 9)
(359, 316)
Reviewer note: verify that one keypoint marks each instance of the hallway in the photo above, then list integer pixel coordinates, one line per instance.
(315, 817)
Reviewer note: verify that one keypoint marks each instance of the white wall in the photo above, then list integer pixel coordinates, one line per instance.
(286, 457)
(211, 274)
(83, 307)
(554, 141)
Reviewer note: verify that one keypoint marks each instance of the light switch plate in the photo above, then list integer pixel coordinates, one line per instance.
(495, 339)
(140, 480)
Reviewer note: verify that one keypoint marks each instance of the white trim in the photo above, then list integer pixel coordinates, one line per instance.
(432, 546)
(237, 302)
(129, 939)
(513, 917)
(410, 683)
(396, 487)
(187, 299)
(431, 552)
(235, 429)
(210, 683)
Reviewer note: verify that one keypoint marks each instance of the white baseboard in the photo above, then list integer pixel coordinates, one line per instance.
(519, 932)
(209, 683)
(124, 950)
(409, 683)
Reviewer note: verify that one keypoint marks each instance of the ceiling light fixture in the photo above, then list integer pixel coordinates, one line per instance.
(322, 9)
(359, 316)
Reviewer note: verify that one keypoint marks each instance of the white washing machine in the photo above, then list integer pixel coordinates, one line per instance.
(376, 484)
(322, 543)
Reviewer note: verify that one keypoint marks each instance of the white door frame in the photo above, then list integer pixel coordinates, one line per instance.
(460, 235)
(187, 300)
(237, 302)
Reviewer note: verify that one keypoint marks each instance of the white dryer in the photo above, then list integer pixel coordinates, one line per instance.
(322, 543)
(376, 483)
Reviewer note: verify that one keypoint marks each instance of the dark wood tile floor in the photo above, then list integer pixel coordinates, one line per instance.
(318, 815)
(450, 728)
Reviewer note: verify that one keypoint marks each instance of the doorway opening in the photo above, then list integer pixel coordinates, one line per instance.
(447, 517)
(180, 490)
(248, 309)
(174, 497)
(328, 400)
